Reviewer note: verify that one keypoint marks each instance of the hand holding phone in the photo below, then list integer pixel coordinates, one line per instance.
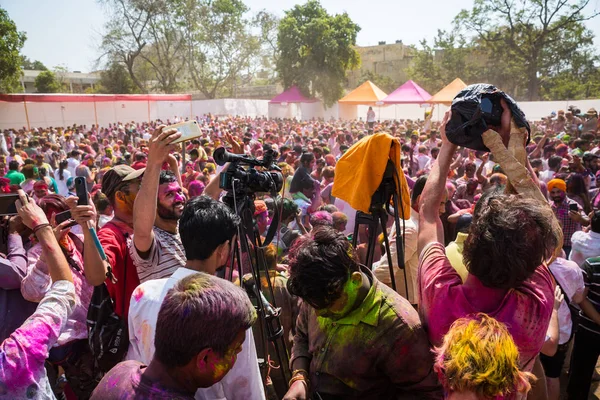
(65, 216)
(81, 191)
(189, 130)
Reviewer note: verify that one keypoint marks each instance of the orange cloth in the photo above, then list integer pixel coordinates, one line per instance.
(360, 171)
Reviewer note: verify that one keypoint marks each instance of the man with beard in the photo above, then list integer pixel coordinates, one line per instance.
(157, 250)
(567, 211)
(207, 233)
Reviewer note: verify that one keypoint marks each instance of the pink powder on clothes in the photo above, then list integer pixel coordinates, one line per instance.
(138, 294)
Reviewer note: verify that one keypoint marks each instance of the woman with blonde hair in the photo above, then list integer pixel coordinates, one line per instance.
(478, 360)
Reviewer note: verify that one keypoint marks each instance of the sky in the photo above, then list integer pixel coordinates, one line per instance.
(67, 32)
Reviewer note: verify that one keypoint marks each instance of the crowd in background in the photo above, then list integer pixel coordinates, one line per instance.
(155, 206)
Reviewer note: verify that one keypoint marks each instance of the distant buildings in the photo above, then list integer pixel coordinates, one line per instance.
(389, 60)
(76, 82)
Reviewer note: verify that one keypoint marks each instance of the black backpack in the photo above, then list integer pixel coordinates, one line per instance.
(108, 333)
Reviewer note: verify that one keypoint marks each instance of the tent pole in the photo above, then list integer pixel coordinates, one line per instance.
(191, 109)
(96, 114)
(26, 114)
(149, 110)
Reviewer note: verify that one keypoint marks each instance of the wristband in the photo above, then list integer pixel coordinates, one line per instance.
(300, 378)
(40, 226)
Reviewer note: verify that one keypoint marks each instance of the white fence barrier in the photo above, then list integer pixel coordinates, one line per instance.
(17, 114)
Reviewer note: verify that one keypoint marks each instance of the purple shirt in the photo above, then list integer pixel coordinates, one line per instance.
(126, 382)
(14, 309)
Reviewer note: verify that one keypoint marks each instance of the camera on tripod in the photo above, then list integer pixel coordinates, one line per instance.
(248, 181)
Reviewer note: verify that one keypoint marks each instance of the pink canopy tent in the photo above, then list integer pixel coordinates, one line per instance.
(292, 95)
(408, 93)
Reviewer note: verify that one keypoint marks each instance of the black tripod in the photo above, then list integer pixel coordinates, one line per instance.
(271, 330)
(385, 195)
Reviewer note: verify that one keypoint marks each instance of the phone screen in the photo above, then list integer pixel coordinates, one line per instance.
(486, 105)
(7, 204)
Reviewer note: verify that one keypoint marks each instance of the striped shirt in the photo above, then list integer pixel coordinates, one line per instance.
(591, 275)
(165, 255)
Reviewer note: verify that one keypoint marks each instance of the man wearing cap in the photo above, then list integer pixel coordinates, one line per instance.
(591, 123)
(120, 185)
(570, 220)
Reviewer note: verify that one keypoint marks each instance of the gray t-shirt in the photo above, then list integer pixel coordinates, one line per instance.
(84, 171)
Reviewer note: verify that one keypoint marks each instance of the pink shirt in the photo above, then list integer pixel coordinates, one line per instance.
(525, 310)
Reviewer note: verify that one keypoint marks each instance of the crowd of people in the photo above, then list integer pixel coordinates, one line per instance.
(497, 296)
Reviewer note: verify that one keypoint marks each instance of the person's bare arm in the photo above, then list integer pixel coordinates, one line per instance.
(144, 208)
(456, 162)
(550, 346)
(538, 149)
(430, 225)
(213, 190)
(95, 268)
(174, 167)
(589, 310)
(479, 173)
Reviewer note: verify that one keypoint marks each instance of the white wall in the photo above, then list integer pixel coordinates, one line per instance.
(245, 107)
(12, 115)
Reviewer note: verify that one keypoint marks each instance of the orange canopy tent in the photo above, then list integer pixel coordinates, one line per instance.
(447, 94)
(366, 94)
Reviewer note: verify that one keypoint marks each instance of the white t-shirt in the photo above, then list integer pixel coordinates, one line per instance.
(143, 314)
(61, 184)
(570, 277)
(72, 165)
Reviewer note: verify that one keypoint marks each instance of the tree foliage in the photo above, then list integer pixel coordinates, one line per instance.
(316, 51)
(46, 82)
(26, 63)
(383, 82)
(529, 39)
(208, 45)
(221, 47)
(116, 80)
(11, 42)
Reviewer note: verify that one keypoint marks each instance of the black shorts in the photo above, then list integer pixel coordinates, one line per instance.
(553, 365)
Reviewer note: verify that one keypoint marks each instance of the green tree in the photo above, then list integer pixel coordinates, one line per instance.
(33, 65)
(527, 38)
(316, 51)
(383, 82)
(11, 42)
(116, 80)
(424, 70)
(46, 82)
(269, 27)
(222, 49)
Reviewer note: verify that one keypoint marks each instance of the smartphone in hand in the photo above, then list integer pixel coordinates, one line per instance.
(81, 191)
(7, 204)
(189, 130)
(64, 216)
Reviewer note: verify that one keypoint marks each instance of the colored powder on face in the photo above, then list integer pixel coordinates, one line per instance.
(179, 198)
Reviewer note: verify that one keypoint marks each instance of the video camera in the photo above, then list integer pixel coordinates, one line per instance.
(248, 181)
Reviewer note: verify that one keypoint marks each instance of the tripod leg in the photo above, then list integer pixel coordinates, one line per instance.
(389, 256)
(372, 243)
(355, 236)
(400, 243)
